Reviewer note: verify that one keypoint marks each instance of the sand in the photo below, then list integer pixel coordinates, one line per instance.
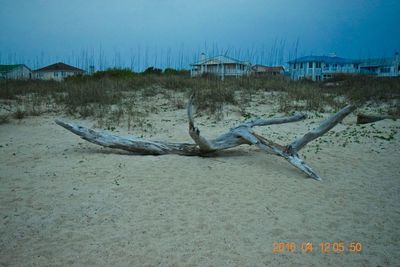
(66, 202)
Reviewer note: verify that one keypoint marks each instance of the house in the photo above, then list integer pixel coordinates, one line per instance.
(15, 72)
(319, 68)
(384, 67)
(57, 71)
(220, 66)
(261, 70)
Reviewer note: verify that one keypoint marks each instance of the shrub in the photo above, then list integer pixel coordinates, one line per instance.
(85, 95)
(212, 98)
(80, 96)
(152, 70)
(11, 89)
(170, 71)
(114, 73)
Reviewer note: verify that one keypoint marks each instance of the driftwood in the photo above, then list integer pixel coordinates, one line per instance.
(364, 118)
(241, 134)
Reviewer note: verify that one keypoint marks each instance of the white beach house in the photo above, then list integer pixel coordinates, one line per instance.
(384, 67)
(220, 66)
(15, 72)
(319, 68)
(57, 71)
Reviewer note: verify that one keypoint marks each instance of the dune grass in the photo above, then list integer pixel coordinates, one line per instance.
(113, 93)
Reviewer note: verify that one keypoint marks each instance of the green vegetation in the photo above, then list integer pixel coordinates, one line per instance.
(152, 70)
(113, 93)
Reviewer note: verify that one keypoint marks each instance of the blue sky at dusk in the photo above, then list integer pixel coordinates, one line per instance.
(143, 33)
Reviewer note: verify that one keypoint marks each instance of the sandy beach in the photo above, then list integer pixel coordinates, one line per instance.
(199, 133)
(67, 202)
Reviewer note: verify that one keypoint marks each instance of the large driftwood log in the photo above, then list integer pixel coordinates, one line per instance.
(242, 134)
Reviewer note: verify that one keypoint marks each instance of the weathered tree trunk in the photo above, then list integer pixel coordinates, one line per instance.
(364, 118)
(242, 134)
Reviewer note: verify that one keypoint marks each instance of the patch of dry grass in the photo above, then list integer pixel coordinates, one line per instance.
(112, 96)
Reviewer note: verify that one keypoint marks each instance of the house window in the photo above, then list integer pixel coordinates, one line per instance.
(310, 64)
(55, 74)
(294, 66)
(355, 66)
(318, 64)
(385, 70)
(62, 74)
(301, 65)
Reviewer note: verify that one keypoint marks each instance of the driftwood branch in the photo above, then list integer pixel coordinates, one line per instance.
(364, 118)
(322, 129)
(131, 144)
(242, 134)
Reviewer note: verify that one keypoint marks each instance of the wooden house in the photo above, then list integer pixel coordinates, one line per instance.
(318, 68)
(384, 67)
(15, 72)
(57, 71)
(261, 70)
(220, 66)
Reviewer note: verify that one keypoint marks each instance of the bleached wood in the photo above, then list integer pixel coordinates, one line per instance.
(325, 126)
(242, 134)
(264, 122)
(131, 144)
(365, 118)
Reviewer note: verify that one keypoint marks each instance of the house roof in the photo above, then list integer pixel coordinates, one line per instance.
(219, 60)
(326, 59)
(7, 68)
(59, 67)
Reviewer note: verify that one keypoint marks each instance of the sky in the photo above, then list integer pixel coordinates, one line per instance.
(162, 33)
